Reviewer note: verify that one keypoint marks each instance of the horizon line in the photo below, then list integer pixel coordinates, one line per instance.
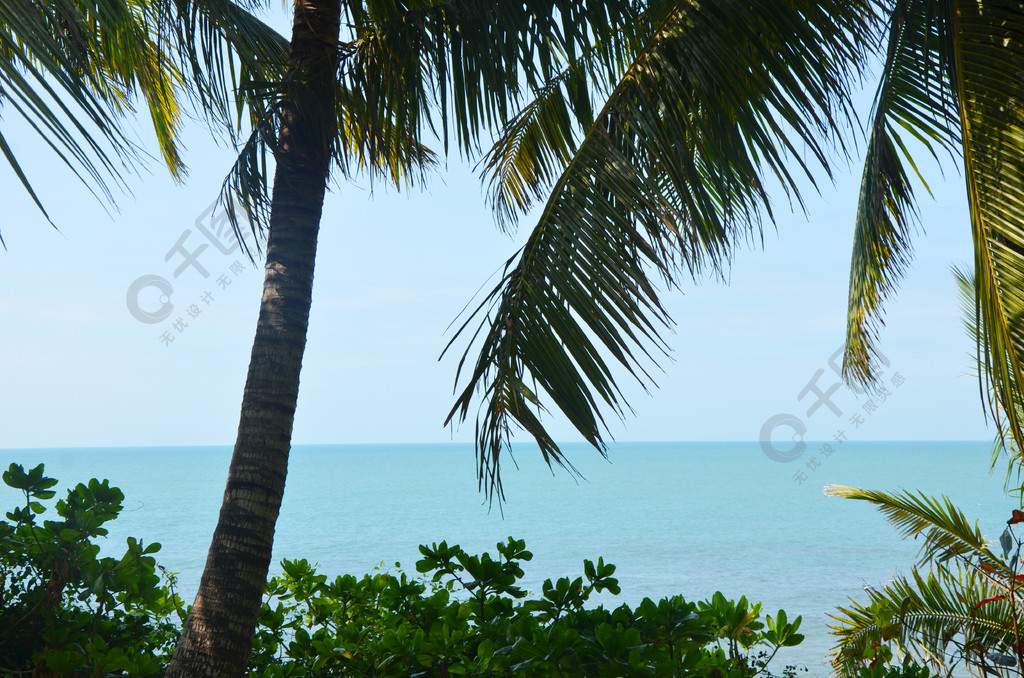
(584, 443)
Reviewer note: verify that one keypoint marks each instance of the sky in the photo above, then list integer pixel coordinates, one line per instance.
(394, 270)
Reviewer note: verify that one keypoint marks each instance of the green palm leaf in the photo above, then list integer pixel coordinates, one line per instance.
(228, 53)
(670, 178)
(409, 66)
(461, 66)
(987, 42)
(73, 68)
(69, 71)
(947, 85)
(939, 618)
(360, 145)
(1004, 447)
(946, 531)
(536, 145)
(914, 101)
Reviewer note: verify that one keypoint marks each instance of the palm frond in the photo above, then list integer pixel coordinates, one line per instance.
(70, 70)
(669, 178)
(914, 103)
(1005, 448)
(459, 68)
(537, 144)
(988, 42)
(379, 148)
(462, 60)
(947, 533)
(244, 191)
(74, 68)
(946, 616)
(360, 144)
(947, 85)
(227, 52)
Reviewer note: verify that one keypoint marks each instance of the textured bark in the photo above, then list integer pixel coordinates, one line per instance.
(217, 638)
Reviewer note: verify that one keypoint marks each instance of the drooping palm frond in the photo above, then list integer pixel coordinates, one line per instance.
(74, 68)
(408, 64)
(948, 616)
(71, 69)
(237, 66)
(988, 42)
(357, 147)
(948, 83)
(385, 151)
(669, 178)
(244, 194)
(536, 146)
(121, 56)
(228, 53)
(913, 104)
(947, 533)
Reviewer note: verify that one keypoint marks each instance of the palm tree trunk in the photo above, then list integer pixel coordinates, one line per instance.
(217, 638)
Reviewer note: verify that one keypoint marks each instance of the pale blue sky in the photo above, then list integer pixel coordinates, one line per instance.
(393, 271)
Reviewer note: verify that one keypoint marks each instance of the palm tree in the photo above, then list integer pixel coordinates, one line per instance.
(699, 101)
(365, 103)
(217, 636)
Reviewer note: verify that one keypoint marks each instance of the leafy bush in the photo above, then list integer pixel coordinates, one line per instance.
(64, 611)
(470, 617)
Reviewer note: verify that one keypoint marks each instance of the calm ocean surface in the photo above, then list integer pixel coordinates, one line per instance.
(676, 518)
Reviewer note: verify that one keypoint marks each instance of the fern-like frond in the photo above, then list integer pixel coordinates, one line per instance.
(459, 68)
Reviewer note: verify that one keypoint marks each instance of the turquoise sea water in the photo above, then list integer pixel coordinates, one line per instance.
(676, 518)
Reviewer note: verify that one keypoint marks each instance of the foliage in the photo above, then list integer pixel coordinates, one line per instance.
(66, 611)
(74, 70)
(700, 108)
(967, 609)
(944, 90)
(885, 668)
(470, 617)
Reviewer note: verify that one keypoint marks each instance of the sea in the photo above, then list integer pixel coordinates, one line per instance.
(684, 519)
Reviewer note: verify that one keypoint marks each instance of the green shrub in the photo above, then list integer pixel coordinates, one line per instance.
(64, 611)
(470, 617)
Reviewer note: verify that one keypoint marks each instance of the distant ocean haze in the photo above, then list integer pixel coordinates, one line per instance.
(676, 518)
